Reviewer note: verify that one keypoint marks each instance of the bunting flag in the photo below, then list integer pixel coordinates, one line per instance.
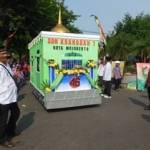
(101, 31)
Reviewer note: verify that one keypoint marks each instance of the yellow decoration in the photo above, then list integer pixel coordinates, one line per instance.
(52, 63)
(47, 90)
(76, 71)
(60, 27)
(91, 64)
(46, 87)
(72, 71)
(65, 71)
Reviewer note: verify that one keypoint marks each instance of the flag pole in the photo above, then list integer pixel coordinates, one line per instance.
(101, 34)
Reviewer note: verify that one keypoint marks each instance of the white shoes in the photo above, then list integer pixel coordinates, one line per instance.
(105, 96)
(102, 94)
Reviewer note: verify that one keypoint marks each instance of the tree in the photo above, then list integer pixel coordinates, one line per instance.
(131, 36)
(28, 18)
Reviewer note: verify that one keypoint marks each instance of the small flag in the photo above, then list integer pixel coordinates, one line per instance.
(101, 31)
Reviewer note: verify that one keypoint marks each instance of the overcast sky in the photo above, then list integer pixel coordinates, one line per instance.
(108, 11)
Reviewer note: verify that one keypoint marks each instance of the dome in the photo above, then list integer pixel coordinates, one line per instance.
(60, 27)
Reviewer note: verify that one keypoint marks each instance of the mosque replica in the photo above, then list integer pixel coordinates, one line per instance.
(64, 68)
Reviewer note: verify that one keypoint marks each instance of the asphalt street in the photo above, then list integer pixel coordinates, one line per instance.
(118, 124)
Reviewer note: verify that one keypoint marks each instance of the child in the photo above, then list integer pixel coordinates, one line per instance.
(147, 85)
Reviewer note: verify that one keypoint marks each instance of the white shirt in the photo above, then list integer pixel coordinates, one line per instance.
(8, 89)
(100, 71)
(107, 72)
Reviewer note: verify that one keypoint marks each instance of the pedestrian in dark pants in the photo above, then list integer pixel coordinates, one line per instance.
(147, 85)
(107, 89)
(8, 102)
(107, 75)
(11, 126)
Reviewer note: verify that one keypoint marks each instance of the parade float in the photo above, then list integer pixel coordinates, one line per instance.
(64, 68)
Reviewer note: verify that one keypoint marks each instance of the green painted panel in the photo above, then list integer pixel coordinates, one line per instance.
(60, 48)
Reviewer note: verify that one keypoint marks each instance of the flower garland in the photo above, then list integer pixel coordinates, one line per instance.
(91, 64)
(71, 71)
(52, 63)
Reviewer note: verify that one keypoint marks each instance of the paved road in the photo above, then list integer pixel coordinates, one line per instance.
(118, 124)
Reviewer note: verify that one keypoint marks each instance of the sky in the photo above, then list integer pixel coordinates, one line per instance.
(109, 12)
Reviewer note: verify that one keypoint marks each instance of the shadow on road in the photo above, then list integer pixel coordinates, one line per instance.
(26, 121)
(137, 102)
(146, 117)
(21, 97)
(144, 95)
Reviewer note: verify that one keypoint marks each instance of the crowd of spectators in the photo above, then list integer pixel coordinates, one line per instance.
(20, 71)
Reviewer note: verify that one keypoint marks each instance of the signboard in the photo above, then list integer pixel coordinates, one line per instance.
(57, 58)
(142, 72)
(73, 83)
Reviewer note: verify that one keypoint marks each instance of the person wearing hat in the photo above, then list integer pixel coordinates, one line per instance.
(117, 75)
(8, 101)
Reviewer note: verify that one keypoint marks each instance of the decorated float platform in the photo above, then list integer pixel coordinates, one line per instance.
(63, 69)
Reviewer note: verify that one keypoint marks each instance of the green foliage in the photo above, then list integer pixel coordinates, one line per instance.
(131, 36)
(29, 17)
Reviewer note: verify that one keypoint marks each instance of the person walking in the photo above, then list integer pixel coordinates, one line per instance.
(117, 75)
(107, 75)
(8, 102)
(147, 85)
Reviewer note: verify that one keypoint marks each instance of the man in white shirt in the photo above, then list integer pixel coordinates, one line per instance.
(107, 75)
(8, 101)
